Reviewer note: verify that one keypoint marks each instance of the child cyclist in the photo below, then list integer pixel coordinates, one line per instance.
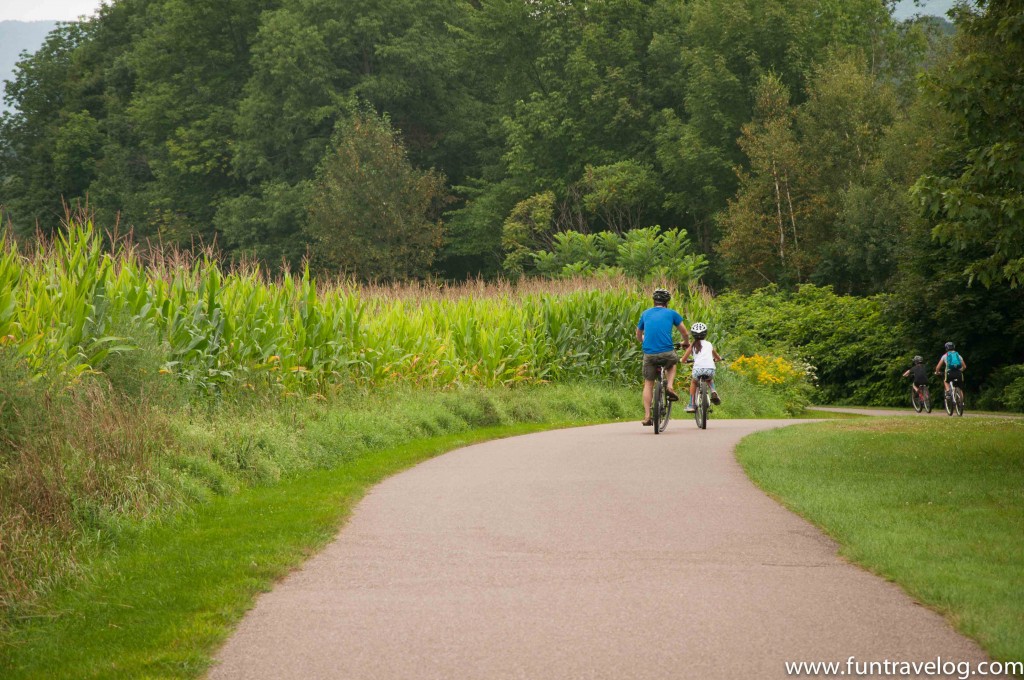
(955, 366)
(920, 374)
(704, 357)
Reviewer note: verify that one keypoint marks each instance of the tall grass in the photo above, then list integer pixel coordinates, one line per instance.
(68, 306)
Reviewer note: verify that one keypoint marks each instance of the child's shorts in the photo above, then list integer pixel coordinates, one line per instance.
(701, 372)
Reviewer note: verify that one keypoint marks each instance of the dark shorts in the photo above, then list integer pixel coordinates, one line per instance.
(955, 375)
(652, 361)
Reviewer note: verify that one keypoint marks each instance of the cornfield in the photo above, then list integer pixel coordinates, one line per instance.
(70, 305)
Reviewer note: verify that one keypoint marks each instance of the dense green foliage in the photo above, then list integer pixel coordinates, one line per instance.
(802, 141)
(852, 343)
(933, 504)
(373, 215)
(211, 122)
(799, 214)
(643, 254)
(976, 198)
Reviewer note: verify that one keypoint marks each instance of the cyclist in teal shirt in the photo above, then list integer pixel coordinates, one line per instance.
(955, 366)
(654, 332)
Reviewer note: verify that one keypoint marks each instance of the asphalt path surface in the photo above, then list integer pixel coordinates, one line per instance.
(597, 552)
(938, 410)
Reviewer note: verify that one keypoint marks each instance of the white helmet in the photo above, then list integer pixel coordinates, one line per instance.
(699, 330)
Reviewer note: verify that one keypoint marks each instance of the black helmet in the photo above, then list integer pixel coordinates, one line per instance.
(662, 296)
(919, 359)
(699, 331)
(950, 347)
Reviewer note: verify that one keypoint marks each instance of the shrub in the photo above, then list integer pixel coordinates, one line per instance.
(1004, 389)
(794, 381)
(650, 254)
(854, 343)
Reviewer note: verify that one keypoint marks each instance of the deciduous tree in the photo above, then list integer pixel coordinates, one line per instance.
(976, 202)
(373, 215)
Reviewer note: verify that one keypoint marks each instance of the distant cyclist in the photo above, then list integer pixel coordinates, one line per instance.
(955, 366)
(654, 332)
(920, 374)
(704, 358)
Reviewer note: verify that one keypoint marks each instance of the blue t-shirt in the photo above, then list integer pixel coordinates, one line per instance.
(657, 324)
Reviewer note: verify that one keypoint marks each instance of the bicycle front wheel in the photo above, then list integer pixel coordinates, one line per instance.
(947, 401)
(915, 401)
(656, 405)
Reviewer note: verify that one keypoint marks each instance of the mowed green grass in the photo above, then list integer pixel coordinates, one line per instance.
(934, 504)
(812, 413)
(161, 605)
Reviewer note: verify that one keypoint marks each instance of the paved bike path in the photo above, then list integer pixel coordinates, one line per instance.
(937, 411)
(597, 552)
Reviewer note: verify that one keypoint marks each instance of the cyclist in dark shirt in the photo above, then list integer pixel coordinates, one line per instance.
(920, 374)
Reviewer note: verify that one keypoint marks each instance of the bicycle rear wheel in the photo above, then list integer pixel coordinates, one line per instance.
(927, 400)
(958, 399)
(707, 402)
(701, 412)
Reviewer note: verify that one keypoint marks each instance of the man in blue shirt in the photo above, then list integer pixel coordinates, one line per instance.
(654, 332)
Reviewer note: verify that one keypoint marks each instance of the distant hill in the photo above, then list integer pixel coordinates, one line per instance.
(940, 23)
(16, 37)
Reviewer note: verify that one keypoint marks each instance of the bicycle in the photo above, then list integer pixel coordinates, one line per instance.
(661, 405)
(922, 401)
(954, 398)
(702, 400)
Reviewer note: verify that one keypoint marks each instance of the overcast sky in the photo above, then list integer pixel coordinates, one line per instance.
(34, 10)
(906, 8)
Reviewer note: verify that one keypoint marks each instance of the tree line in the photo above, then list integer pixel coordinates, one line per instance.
(794, 141)
(199, 122)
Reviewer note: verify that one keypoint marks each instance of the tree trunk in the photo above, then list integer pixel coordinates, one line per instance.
(778, 208)
(792, 219)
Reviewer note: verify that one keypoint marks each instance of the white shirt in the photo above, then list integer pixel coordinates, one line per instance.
(706, 357)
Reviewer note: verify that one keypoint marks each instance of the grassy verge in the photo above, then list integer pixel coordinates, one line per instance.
(935, 505)
(159, 606)
(818, 414)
